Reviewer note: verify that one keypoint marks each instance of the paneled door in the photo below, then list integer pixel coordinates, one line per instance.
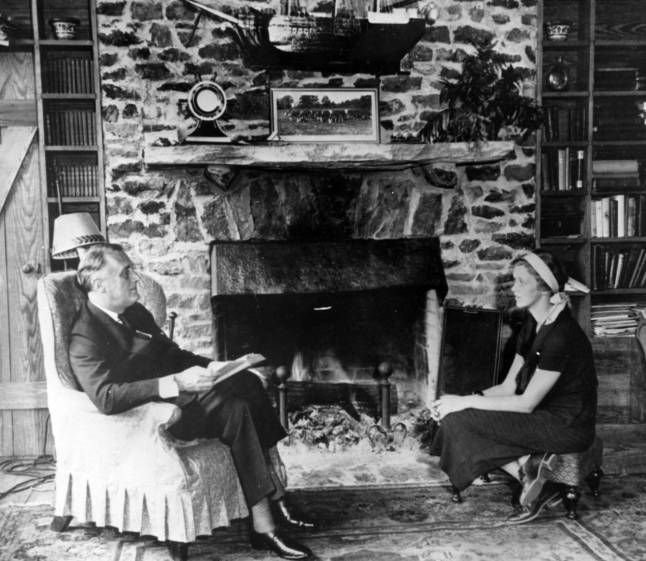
(23, 413)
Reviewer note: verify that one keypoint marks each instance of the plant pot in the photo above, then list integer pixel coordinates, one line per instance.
(557, 30)
(64, 28)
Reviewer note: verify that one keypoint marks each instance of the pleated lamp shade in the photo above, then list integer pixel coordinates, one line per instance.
(71, 231)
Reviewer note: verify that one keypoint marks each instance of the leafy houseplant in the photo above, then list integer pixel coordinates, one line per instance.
(484, 102)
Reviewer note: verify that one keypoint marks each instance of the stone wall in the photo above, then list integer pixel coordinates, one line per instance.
(167, 217)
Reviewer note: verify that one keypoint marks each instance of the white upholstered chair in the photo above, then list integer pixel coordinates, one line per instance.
(123, 470)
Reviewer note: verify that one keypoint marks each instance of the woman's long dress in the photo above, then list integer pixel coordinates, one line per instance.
(472, 442)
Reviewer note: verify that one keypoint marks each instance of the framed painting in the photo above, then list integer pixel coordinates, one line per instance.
(324, 114)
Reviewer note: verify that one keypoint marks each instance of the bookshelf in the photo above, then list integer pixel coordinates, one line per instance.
(591, 157)
(67, 104)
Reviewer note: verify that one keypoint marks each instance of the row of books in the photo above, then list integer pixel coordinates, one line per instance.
(69, 74)
(74, 127)
(618, 216)
(618, 267)
(72, 179)
(563, 123)
(613, 320)
(563, 169)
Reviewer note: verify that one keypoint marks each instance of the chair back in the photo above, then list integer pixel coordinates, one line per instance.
(61, 298)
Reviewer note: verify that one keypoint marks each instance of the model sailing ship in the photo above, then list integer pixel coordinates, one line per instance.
(339, 41)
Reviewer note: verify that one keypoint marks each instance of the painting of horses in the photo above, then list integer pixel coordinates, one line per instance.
(325, 115)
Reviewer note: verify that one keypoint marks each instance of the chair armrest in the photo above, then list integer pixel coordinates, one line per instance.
(101, 445)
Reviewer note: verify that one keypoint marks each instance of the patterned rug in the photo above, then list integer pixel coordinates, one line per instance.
(411, 523)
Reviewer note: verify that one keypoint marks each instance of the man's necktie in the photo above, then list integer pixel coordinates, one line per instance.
(126, 323)
(132, 330)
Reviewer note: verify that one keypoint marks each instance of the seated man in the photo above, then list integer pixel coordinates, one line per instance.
(122, 359)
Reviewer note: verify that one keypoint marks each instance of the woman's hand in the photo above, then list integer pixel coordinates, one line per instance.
(449, 403)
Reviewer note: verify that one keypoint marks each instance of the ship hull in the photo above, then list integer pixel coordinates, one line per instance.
(375, 48)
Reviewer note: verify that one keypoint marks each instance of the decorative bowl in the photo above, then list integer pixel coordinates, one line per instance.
(557, 30)
(64, 28)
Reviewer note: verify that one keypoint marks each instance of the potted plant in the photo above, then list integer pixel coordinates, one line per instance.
(484, 102)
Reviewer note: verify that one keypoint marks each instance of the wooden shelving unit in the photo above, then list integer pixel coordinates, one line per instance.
(601, 115)
(67, 105)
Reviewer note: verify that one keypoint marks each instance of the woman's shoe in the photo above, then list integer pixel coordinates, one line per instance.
(283, 515)
(281, 545)
(535, 474)
(529, 513)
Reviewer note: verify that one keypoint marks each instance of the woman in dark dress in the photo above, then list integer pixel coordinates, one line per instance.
(546, 404)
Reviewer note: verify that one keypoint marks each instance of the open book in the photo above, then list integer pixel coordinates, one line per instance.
(233, 367)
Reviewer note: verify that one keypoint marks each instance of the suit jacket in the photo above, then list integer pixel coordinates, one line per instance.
(118, 367)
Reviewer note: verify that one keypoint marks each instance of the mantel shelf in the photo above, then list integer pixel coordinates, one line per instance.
(337, 155)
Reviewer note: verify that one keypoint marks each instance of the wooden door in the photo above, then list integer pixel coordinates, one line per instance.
(23, 414)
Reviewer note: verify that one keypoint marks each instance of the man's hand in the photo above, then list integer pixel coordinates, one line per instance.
(195, 379)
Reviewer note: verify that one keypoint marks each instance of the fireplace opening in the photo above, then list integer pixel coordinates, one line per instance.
(332, 337)
(333, 312)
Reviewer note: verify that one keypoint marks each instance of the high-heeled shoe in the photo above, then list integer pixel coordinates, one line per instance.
(281, 512)
(281, 545)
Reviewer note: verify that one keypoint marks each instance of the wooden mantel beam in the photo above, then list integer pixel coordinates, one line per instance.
(318, 155)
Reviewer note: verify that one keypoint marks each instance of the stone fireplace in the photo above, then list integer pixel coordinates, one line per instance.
(166, 213)
(333, 311)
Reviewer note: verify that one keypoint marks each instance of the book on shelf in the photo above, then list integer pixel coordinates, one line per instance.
(618, 267)
(611, 167)
(579, 170)
(564, 123)
(615, 78)
(616, 182)
(618, 216)
(563, 169)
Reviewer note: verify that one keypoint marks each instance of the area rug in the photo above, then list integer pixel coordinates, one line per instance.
(392, 523)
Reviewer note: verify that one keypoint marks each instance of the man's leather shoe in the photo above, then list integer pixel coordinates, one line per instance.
(534, 475)
(281, 545)
(529, 513)
(283, 515)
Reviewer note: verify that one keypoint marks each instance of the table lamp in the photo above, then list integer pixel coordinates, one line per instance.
(72, 233)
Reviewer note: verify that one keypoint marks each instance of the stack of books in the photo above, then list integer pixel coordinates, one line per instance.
(616, 174)
(615, 320)
(618, 267)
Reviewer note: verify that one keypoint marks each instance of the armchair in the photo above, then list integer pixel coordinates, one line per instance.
(124, 470)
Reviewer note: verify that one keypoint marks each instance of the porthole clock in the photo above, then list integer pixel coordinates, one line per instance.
(207, 103)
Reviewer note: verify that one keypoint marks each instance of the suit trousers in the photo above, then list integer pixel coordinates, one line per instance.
(239, 413)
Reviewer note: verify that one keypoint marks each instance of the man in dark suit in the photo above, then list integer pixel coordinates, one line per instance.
(122, 359)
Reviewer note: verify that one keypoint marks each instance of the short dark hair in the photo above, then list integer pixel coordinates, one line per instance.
(552, 262)
(93, 261)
